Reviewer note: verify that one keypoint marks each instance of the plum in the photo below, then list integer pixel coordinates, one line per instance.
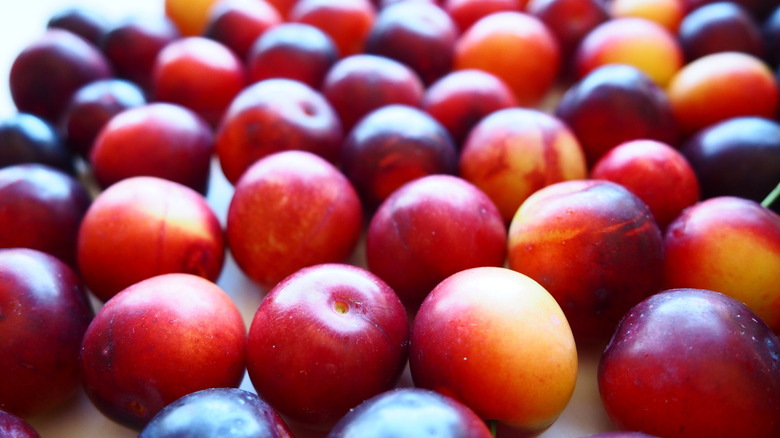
(692, 363)
(720, 27)
(238, 23)
(84, 22)
(410, 413)
(92, 106)
(132, 46)
(296, 51)
(44, 313)
(12, 426)
(217, 412)
(50, 69)
(347, 22)
(393, 145)
(42, 208)
(27, 138)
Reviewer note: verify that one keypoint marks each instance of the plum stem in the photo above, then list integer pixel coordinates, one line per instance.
(493, 426)
(771, 197)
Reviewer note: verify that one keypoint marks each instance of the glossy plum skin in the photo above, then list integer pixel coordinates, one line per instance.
(12, 426)
(50, 69)
(739, 156)
(343, 327)
(613, 104)
(425, 413)
(393, 145)
(495, 319)
(347, 22)
(594, 246)
(212, 412)
(276, 115)
(136, 347)
(296, 51)
(84, 22)
(429, 229)
(720, 86)
(157, 139)
(359, 84)
(26, 138)
(569, 21)
(501, 42)
(132, 46)
(514, 152)
(460, 99)
(667, 13)
(730, 245)
(720, 27)
(45, 312)
(200, 74)
(92, 106)
(418, 34)
(638, 42)
(144, 226)
(467, 12)
(290, 210)
(41, 208)
(656, 172)
(238, 23)
(692, 362)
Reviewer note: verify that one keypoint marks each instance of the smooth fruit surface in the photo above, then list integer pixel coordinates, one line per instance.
(135, 349)
(692, 363)
(495, 319)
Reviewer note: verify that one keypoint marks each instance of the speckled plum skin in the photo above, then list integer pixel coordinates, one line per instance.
(692, 363)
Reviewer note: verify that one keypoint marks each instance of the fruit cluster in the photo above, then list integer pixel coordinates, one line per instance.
(472, 190)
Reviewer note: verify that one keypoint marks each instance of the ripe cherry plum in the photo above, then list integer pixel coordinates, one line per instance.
(12, 426)
(26, 138)
(276, 115)
(429, 229)
(296, 51)
(144, 226)
(92, 106)
(135, 350)
(347, 22)
(84, 22)
(213, 412)
(132, 46)
(156, 139)
(238, 23)
(290, 210)
(467, 12)
(424, 413)
(50, 69)
(41, 208)
(44, 313)
(692, 362)
(720, 27)
(359, 84)
(393, 145)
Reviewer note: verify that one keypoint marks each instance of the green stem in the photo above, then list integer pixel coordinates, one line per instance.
(771, 197)
(493, 426)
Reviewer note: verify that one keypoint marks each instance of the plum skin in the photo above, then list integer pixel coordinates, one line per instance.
(213, 412)
(44, 313)
(136, 347)
(692, 362)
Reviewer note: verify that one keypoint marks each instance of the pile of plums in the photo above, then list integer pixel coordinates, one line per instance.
(476, 191)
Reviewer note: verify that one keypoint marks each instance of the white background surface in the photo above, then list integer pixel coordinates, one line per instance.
(23, 21)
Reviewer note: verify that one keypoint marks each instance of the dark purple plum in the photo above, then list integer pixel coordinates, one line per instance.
(359, 84)
(84, 22)
(770, 29)
(92, 106)
(294, 51)
(738, 157)
(692, 362)
(26, 138)
(132, 46)
(418, 34)
(44, 313)
(12, 426)
(393, 145)
(50, 69)
(720, 27)
(217, 412)
(613, 104)
(410, 413)
(41, 208)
